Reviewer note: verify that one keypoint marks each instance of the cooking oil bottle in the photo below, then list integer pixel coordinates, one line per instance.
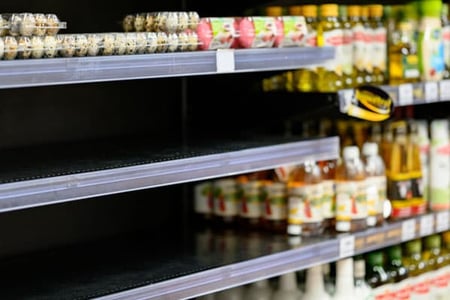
(379, 44)
(403, 57)
(359, 44)
(368, 40)
(329, 33)
(305, 78)
(446, 39)
(347, 48)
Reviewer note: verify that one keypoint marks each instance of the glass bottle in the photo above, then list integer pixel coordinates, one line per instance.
(226, 202)
(376, 275)
(314, 287)
(368, 39)
(398, 272)
(359, 44)
(305, 192)
(305, 78)
(376, 183)
(379, 44)
(203, 201)
(252, 204)
(414, 262)
(362, 289)
(329, 33)
(351, 200)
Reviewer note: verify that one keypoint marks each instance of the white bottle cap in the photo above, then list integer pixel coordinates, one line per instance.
(370, 149)
(351, 152)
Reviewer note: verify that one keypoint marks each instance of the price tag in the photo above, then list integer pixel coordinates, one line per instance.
(431, 92)
(405, 94)
(426, 225)
(408, 230)
(347, 246)
(225, 60)
(444, 90)
(442, 221)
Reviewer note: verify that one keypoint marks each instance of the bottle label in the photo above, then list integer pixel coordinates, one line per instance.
(275, 207)
(203, 198)
(351, 200)
(401, 195)
(379, 49)
(226, 202)
(368, 41)
(446, 40)
(440, 177)
(373, 196)
(335, 38)
(431, 48)
(328, 199)
(347, 52)
(305, 204)
(359, 47)
(410, 66)
(252, 205)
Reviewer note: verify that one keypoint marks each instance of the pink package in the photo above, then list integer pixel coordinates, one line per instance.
(257, 32)
(216, 33)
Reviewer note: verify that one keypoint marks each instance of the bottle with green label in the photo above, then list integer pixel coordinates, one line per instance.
(435, 262)
(446, 39)
(416, 265)
(430, 45)
(398, 272)
(376, 275)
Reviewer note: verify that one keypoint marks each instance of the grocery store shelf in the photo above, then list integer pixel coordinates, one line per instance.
(57, 71)
(195, 263)
(57, 175)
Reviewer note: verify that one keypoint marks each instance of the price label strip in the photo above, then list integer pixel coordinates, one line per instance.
(442, 221)
(426, 225)
(431, 92)
(444, 90)
(225, 61)
(408, 230)
(347, 246)
(405, 94)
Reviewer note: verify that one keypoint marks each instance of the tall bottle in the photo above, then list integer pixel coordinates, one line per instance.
(440, 166)
(376, 184)
(328, 168)
(378, 50)
(368, 38)
(258, 290)
(275, 204)
(414, 262)
(287, 288)
(419, 204)
(362, 289)
(305, 78)
(305, 192)
(403, 57)
(345, 288)
(423, 139)
(398, 272)
(204, 201)
(435, 260)
(351, 199)
(314, 287)
(226, 202)
(329, 33)
(359, 44)
(431, 47)
(446, 39)
(347, 48)
(377, 277)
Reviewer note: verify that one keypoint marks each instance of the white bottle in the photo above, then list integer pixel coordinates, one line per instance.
(287, 288)
(345, 288)
(259, 290)
(439, 166)
(362, 290)
(423, 139)
(315, 287)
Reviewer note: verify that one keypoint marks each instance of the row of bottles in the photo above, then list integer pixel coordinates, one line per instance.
(414, 270)
(374, 44)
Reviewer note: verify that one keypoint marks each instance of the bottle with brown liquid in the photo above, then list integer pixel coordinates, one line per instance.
(351, 200)
(275, 207)
(328, 169)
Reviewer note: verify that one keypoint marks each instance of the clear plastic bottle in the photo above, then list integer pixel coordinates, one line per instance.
(329, 33)
(351, 200)
(287, 288)
(305, 195)
(359, 44)
(345, 288)
(347, 48)
(275, 203)
(328, 168)
(314, 287)
(368, 39)
(446, 39)
(305, 78)
(376, 184)
(379, 44)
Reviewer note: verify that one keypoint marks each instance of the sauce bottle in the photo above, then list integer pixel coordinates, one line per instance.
(275, 207)
(378, 50)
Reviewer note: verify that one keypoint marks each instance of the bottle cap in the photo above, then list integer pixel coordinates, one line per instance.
(351, 152)
(370, 149)
(375, 258)
(274, 11)
(353, 10)
(343, 11)
(413, 247)
(364, 11)
(433, 241)
(394, 252)
(309, 11)
(360, 268)
(344, 267)
(376, 10)
(295, 10)
(329, 10)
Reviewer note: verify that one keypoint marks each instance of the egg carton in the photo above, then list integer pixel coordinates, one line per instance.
(163, 21)
(29, 24)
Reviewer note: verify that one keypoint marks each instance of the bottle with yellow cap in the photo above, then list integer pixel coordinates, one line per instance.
(378, 50)
(368, 40)
(347, 52)
(358, 44)
(330, 34)
(306, 78)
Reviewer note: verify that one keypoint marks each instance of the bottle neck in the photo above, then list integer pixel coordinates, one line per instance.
(288, 281)
(314, 279)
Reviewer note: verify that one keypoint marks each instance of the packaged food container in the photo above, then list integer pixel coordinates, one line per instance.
(183, 41)
(257, 32)
(131, 43)
(81, 45)
(54, 24)
(216, 33)
(50, 46)
(10, 47)
(193, 41)
(128, 23)
(107, 44)
(139, 22)
(40, 28)
(291, 31)
(120, 43)
(4, 25)
(24, 47)
(66, 45)
(172, 42)
(37, 46)
(162, 21)
(15, 22)
(149, 22)
(194, 19)
(2, 47)
(93, 44)
(161, 40)
(27, 24)
(151, 42)
(141, 42)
